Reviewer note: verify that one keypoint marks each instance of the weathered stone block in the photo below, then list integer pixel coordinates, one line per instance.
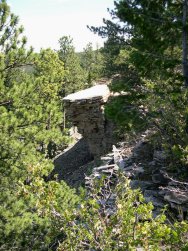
(86, 111)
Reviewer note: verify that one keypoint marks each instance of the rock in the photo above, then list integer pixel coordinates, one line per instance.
(85, 109)
(108, 159)
(138, 170)
(129, 168)
(128, 174)
(128, 162)
(159, 178)
(143, 185)
(133, 171)
(152, 166)
(102, 168)
(153, 196)
(159, 157)
(143, 151)
(177, 198)
(152, 163)
(118, 159)
(70, 161)
(156, 212)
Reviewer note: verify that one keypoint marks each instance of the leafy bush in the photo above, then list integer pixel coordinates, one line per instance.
(129, 224)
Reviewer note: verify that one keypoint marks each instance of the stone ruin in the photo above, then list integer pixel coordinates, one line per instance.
(85, 109)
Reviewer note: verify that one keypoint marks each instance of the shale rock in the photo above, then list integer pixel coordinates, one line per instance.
(85, 109)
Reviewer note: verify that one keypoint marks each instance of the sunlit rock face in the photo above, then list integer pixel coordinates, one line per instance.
(85, 109)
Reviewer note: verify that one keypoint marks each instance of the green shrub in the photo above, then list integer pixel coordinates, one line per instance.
(30, 213)
(126, 226)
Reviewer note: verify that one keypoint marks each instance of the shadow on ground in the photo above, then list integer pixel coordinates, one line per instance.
(68, 165)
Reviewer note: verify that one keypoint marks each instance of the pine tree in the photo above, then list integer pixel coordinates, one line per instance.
(152, 74)
(184, 41)
(151, 30)
(30, 114)
(75, 76)
(92, 62)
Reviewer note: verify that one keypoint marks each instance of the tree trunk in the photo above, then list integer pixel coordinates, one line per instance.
(184, 42)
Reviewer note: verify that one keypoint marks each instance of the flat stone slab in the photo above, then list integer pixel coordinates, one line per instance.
(97, 91)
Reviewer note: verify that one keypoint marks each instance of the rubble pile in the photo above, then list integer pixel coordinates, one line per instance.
(153, 180)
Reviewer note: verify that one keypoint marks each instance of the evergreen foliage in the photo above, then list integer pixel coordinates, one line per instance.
(144, 49)
(75, 76)
(81, 68)
(30, 117)
(149, 63)
(92, 61)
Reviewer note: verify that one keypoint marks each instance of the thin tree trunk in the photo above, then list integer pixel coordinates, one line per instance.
(184, 42)
(64, 119)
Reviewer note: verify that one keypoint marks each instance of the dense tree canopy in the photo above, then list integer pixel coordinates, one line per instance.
(30, 120)
(92, 61)
(152, 31)
(151, 37)
(75, 76)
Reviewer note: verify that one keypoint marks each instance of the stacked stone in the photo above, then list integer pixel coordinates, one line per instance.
(86, 111)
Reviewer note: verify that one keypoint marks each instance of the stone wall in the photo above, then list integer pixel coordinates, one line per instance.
(85, 109)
